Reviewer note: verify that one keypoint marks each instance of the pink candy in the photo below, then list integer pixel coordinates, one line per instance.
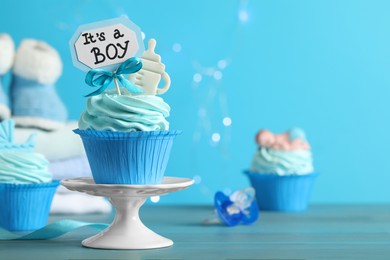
(267, 139)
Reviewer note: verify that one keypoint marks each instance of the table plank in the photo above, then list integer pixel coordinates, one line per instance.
(322, 232)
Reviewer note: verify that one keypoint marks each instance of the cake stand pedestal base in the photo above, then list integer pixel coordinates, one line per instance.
(127, 230)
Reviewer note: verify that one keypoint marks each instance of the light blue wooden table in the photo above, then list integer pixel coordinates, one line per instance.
(322, 232)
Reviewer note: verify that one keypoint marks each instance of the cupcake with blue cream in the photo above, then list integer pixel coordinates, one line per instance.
(126, 135)
(26, 185)
(282, 170)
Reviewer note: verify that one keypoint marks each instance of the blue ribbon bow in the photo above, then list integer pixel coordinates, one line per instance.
(102, 78)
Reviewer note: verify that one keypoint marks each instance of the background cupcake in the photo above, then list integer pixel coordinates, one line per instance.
(282, 171)
(125, 135)
(26, 185)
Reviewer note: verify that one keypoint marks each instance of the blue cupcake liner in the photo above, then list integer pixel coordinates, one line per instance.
(127, 157)
(282, 193)
(26, 206)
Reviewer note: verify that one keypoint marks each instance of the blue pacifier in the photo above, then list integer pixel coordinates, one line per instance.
(238, 208)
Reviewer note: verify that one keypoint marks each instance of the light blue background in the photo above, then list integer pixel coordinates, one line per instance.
(320, 65)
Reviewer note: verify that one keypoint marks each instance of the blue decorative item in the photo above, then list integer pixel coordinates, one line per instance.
(7, 138)
(238, 208)
(51, 231)
(102, 78)
(34, 100)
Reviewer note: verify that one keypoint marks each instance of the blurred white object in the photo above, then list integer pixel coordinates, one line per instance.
(54, 145)
(78, 203)
(151, 73)
(72, 167)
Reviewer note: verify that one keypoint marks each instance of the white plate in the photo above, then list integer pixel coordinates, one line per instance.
(87, 185)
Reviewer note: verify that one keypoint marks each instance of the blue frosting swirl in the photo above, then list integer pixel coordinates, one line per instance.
(125, 113)
(281, 162)
(23, 167)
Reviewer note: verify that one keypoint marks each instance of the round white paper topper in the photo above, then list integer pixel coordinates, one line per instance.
(106, 44)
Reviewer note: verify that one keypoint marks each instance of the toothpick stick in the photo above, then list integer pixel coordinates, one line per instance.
(117, 87)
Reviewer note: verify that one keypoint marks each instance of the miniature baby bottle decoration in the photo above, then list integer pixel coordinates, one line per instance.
(149, 77)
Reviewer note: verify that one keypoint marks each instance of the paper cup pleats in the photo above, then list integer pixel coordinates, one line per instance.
(127, 157)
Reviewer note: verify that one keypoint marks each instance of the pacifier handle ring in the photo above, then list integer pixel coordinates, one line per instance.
(167, 85)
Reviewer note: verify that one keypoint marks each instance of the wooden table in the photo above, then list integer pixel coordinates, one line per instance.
(322, 232)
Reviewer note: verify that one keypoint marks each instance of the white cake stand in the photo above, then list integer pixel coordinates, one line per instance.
(127, 230)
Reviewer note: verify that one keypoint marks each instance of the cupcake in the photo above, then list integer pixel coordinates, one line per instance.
(282, 171)
(26, 185)
(126, 136)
